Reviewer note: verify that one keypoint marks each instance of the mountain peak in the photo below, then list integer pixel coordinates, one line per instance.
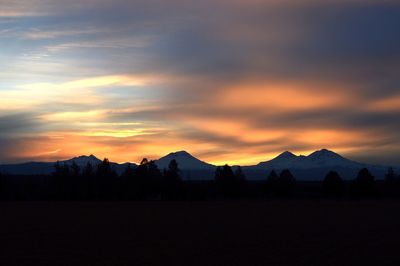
(91, 156)
(185, 161)
(282, 161)
(324, 153)
(84, 159)
(286, 155)
(180, 153)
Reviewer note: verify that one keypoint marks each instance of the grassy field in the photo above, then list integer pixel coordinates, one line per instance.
(200, 233)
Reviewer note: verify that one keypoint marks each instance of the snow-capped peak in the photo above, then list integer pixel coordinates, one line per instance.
(324, 153)
(180, 154)
(184, 159)
(286, 155)
(317, 159)
(84, 159)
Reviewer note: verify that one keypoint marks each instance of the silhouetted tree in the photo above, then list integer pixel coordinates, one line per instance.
(65, 170)
(87, 182)
(392, 183)
(88, 170)
(127, 177)
(273, 176)
(71, 175)
(364, 184)
(75, 169)
(128, 172)
(269, 183)
(333, 184)
(62, 181)
(173, 172)
(2, 185)
(57, 169)
(144, 161)
(105, 180)
(142, 169)
(390, 176)
(147, 180)
(282, 185)
(227, 182)
(61, 177)
(241, 179)
(154, 179)
(172, 185)
(218, 173)
(137, 184)
(239, 174)
(104, 169)
(153, 171)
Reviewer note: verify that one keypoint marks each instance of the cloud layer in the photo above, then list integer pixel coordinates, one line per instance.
(230, 81)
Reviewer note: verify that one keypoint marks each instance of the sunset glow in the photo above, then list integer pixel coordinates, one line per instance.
(229, 81)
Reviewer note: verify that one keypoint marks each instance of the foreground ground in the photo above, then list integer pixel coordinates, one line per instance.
(200, 233)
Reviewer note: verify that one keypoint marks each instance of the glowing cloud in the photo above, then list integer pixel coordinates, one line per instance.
(230, 81)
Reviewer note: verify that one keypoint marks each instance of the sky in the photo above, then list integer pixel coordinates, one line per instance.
(230, 81)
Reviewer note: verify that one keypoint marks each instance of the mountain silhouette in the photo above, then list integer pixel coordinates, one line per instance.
(317, 159)
(312, 167)
(46, 168)
(84, 160)
(286, 155)
(185, 161)
(315, 165)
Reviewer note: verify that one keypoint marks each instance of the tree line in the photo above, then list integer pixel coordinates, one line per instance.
(147, 182)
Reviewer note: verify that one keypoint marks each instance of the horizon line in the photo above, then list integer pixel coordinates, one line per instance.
(180, 151)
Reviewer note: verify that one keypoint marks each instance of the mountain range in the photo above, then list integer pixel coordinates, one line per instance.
(311, 167)
(316, 165)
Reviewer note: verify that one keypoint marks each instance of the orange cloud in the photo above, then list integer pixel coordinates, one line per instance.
(284, 96)
(387, 104)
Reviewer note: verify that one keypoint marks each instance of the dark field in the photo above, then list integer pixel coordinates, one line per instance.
(200, 233)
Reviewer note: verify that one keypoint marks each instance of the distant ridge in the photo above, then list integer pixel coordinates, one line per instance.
(320, 158)
(315, 165)
(311, 167)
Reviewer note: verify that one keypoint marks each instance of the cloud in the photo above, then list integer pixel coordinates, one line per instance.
(12, 125)
(234, 81)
